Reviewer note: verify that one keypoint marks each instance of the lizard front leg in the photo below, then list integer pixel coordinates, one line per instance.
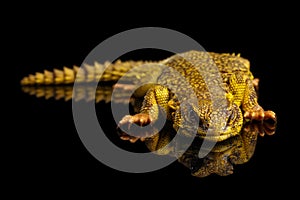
(252, 110)
(155, 104)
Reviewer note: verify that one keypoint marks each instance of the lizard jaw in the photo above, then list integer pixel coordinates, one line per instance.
(220, 137)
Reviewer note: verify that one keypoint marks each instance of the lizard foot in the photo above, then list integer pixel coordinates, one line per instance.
(260, 115)
(133, 133)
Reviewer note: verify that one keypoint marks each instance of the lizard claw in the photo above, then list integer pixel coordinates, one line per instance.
(134, 133)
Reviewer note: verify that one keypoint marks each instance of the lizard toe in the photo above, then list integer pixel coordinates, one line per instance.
(133, 127)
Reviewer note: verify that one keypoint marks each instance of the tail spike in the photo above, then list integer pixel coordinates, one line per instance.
(90, 72)
(58, 76)
(80, 74)
(25, 81)
(69, 75)
(48, 77)
(39, 78)
(31, 79)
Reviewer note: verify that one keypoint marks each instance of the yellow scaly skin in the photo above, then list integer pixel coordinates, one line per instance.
(237, 86)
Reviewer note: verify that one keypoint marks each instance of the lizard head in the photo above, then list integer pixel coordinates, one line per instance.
(215, 123)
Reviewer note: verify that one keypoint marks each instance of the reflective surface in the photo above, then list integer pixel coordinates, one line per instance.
(221, 160)
(225, 155)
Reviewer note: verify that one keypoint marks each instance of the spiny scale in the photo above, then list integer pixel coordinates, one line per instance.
(89, 73)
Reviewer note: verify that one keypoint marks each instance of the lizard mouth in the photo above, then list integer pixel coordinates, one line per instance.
(216, 137)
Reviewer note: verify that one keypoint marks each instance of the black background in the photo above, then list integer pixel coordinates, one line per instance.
(50, 157)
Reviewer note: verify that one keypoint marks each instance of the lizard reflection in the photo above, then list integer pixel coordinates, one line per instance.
(226, 154)
(220, 160)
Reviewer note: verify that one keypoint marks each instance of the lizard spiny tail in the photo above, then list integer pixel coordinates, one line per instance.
(107, 72)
